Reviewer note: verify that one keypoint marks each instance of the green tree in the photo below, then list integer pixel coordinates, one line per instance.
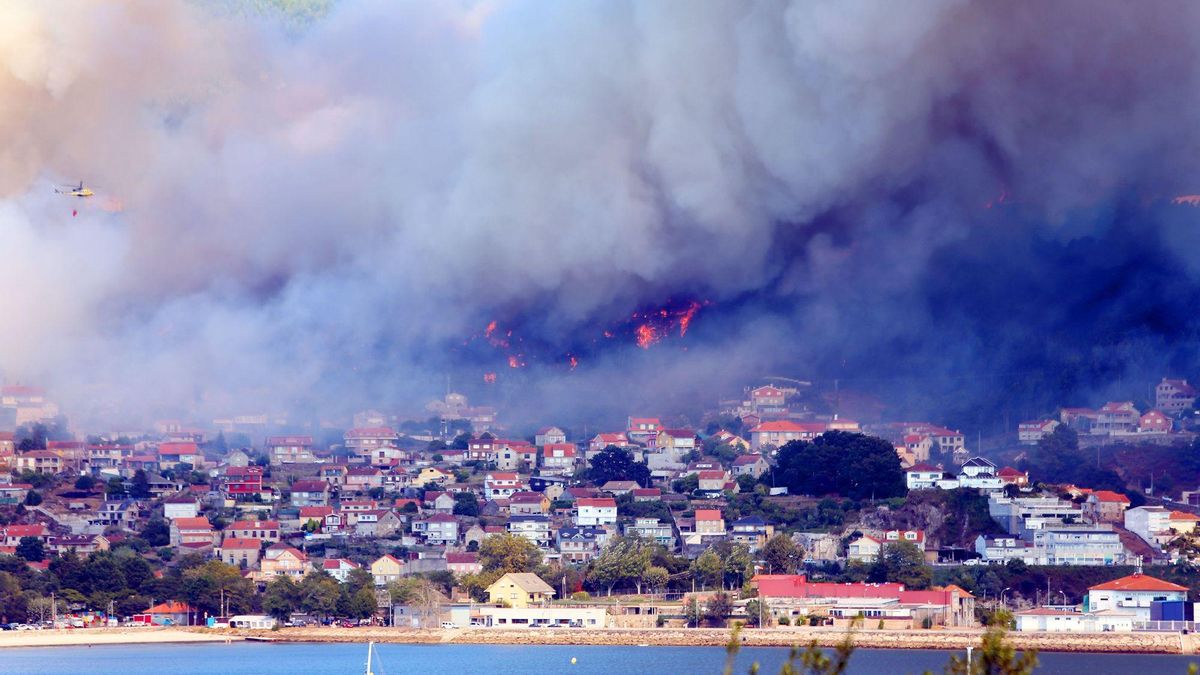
(707, 568)
(157, 532)
(466, 504)
(613, 463)
(31, 549)
(904, 563)
(758, 613)
(717, 608)
(839, 462)
(505, 553)
(140, 485)
(33, 498)
(624, 560)
(782, 555)
(692, 612)
(359, 578)
(363, 604)
(746, 483)
(319, 594)
(115, 489)
(281, 598)
(85, 482)
(656, 577)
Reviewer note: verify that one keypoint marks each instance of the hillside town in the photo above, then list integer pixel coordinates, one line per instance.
(769, 513)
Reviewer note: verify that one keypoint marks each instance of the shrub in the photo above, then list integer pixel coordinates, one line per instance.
(581, 596)
(784, 621)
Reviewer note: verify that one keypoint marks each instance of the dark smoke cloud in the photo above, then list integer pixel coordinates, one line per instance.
(314, 219)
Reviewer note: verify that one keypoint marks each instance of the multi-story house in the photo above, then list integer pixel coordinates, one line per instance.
(922, 477)
(558, 459)
(1133, 595)
(1030, 433)
(481, 449)
(643, 430)
(438, 529)
(363, 441)
(579, 545)
(172, 455)
(1116, 417)
(310, 493)
(122, 513)
(1105, 506)
(460, 563)
(709, 522)
(750, 465)
(533, 528)
(751, 531)
(1154, 422)
(363, 478)
(192, 532)
(595, 511)
(39, 461)
(243, 553)
(777, 433)
(290, 449)
(243, 482)
(1174, 396)
(528, 503)
(865, 549)
(501, 485)
(513, 455)
(339, 568)
(377, 523)
(259, 530)
(652, 529)
(284, 560)
(549, 436)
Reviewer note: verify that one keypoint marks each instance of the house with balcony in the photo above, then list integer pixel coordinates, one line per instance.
(534, 528)
(241, 553)
(1174, 396)
(289, 449)
(192, 532)
(259, 530)
(751, 531)
(595, 511)
(283, 560)
(310, 493)
(437, 530)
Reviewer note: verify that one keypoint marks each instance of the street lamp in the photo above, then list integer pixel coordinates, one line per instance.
(1064, 596)
(1002, 603)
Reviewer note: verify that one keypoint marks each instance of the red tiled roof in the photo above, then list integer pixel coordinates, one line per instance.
(1110, 496)
(1137, 582)
(922, 468)
(241, 544)
(712, 475)
(708, 514)
(200, 523)
(172, 607)
(462, 558)
(37, 530)
(597, 502)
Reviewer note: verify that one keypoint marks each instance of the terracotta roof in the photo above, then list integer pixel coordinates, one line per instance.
(1184, 515)
(200, 523)
(241, 544)
(1138, 582)
(1110, 496)
(172, 607)
(743, 460)
(597, 502)
(923, 468)
(708, 514)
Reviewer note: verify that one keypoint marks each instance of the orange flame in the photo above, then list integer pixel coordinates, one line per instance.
(686, 319)
(514, 361)
(489, 377)
(574, 362)
(646, 336)
(1190, 200)
(491, 328)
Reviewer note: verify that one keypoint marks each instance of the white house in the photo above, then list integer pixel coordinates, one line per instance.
(922, 477)
(1132, 595)
(596, 511)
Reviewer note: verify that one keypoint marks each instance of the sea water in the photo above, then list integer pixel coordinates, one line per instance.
(246, 658)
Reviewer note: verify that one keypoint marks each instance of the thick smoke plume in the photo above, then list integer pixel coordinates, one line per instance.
(961, 205)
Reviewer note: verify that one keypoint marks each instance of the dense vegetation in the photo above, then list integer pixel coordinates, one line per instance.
(843, 463)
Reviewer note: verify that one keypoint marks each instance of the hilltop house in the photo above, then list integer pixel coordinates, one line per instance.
(1174, 396)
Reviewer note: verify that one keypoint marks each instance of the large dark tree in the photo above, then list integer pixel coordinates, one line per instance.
(613, 463)
(31, 548)
(839, 462)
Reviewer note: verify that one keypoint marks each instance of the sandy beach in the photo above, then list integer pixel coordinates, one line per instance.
(107, 636)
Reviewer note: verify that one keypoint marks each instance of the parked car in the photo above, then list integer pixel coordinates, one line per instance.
(449, 625)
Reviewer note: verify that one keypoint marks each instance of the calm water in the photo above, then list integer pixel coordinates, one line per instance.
(298, 659)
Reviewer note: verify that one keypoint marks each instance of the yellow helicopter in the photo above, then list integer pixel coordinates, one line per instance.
(75, 190)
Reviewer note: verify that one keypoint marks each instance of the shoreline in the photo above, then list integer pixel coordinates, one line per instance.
(941, 640)
(88, 637)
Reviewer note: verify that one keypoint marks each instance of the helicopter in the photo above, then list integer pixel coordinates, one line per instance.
(75, 190)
